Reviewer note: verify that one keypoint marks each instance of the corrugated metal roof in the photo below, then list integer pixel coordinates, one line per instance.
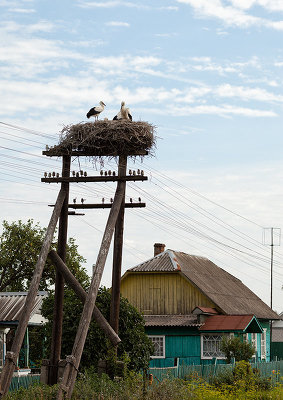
(171, 320)
(227, 323)
(161, 262)
(12, 303)
(226, 291)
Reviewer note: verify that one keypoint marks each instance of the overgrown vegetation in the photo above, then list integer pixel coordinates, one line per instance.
(243, 386)
(242, 376)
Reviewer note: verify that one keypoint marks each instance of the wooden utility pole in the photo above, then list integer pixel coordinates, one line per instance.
(117, 252)
(67, 385)
(115, 223)
(270, 241)
(56, 341)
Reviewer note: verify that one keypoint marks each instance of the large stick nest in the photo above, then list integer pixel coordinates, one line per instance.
(107, 138)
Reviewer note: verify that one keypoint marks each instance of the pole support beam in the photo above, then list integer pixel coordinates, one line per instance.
(9, 366)
(80, 292)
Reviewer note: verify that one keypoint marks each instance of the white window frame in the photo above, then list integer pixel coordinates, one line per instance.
(158, 338)
(221, 356)
(254, 343)
(263, 344)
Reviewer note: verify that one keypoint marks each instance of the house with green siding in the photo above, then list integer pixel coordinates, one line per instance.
(11, 309)
(189, 304)
(277, 338)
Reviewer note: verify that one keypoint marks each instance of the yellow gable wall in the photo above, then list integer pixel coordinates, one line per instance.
(162, 293)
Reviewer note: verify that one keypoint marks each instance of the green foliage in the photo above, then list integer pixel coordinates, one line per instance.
(20, 245)
(237, 349)
(243, 371)
(242, 377)
(135, 342)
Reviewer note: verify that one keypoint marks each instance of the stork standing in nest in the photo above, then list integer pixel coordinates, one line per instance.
(95, 111)
(124, 113)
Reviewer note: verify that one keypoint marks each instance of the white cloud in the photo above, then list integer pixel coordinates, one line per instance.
(269, 5)
(169, 8)
(111, 4)
(118, 24)
(225, 110)
(24, 58)
(166, 35)
(24, 30)
(120, 3)
(22, 10)
(235, 14)
(87, 43)
(8, 3)
(247, 93)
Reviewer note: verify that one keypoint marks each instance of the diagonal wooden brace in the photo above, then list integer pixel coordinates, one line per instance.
(9, 366)
(78, 289)
(70, 373)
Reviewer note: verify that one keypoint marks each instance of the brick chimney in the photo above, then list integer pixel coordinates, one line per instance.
(158, 248)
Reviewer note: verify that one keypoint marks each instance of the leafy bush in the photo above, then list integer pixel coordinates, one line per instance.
(237, 349)
(241, 377)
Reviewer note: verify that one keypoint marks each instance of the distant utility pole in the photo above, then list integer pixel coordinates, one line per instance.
(271, 237)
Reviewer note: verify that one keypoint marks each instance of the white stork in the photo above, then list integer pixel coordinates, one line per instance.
(95, 111)
(124, 113)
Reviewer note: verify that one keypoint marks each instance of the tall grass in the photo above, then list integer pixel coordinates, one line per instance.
(92, 387)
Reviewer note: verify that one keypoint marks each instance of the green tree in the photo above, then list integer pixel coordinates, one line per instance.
(20, 245)
(131, 330)
(236, 348)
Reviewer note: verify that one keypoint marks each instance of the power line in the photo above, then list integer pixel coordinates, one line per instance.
(33, 132)
(201, 195)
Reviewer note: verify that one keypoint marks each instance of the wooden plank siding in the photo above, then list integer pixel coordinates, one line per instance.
(162, 293)
(180, 342)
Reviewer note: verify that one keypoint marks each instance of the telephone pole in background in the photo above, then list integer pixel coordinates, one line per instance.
(271, 237)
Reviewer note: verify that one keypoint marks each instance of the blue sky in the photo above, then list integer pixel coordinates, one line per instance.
(207, 73)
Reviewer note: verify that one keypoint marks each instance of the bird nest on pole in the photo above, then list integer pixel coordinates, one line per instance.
(107, 138)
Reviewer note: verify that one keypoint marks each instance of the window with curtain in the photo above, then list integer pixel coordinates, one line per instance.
(159, 346)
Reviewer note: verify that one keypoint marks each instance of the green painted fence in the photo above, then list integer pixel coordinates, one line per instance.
(23, 381)
(272, 369)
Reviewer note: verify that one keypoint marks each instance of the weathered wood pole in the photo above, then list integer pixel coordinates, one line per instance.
(12, 356)
(56, 341)
(73, 361)
(78, 289)
(117, 252)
